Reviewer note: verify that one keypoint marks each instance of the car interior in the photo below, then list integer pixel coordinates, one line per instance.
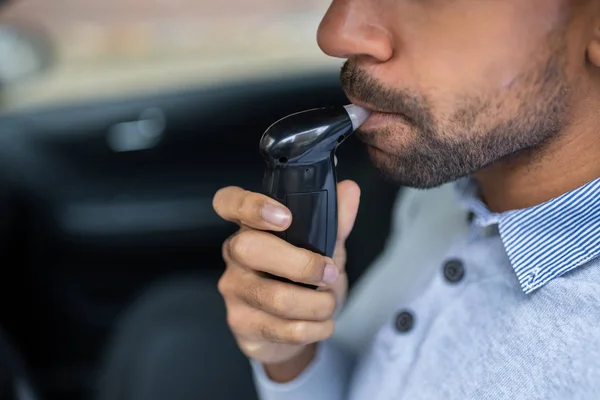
(102, 199)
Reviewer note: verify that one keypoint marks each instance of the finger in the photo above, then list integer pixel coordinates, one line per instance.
(255, 210)
(265, 252)
(286, 301)
(252, 324)
(225, 248)
(348, 202)
(339, 289)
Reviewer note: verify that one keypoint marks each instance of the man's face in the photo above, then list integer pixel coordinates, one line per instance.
(459, 84)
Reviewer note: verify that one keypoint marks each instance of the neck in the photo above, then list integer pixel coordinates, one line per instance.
(532, 178)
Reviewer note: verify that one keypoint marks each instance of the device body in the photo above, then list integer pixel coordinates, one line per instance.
(299, 151)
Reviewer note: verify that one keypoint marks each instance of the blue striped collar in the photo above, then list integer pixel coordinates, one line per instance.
(545, 241)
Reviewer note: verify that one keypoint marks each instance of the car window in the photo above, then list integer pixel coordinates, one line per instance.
(72, 50)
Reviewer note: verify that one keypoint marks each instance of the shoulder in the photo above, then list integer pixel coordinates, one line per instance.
(556, 333)
(565, 309)
(543, 345)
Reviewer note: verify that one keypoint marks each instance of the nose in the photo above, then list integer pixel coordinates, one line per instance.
(351, 28)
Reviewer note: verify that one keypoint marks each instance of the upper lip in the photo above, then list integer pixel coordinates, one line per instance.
(368, 106)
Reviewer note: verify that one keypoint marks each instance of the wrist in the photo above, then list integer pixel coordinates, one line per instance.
(289, 370)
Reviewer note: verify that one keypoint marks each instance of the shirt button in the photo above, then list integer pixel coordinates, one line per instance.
(404, 322)
(470, 217)
(454, 271)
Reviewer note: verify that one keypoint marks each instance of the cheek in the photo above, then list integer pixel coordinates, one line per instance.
(459, 64)
(470, 48)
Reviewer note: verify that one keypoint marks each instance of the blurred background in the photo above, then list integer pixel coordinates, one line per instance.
(119, 120)
(113, 47)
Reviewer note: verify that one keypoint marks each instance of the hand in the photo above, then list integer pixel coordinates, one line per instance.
(275, 322)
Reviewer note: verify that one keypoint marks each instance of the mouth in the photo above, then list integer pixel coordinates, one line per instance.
(379, 116)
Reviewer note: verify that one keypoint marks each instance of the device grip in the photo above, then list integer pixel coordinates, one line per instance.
(310, 193)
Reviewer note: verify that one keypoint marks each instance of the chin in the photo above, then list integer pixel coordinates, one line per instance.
(392, 169)
(374, 152)
(384, 162)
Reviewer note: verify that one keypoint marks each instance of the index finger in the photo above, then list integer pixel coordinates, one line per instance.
(254, 210)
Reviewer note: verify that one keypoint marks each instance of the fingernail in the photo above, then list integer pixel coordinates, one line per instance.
(331, 274)
(275, 215)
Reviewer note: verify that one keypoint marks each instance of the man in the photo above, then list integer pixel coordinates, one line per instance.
(500, 99)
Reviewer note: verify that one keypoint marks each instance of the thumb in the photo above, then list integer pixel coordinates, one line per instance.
(348, 201)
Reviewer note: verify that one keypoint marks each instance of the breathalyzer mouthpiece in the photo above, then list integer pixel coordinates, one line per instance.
(357, 114)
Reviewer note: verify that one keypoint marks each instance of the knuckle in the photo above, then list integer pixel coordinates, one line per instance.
(235, 319)
(224, 285)
(229, 252)
(226, 250)
(241, 246)
(297, 332)
(282, 301)
(270, 333)
(231, 284)
(311, 269)
(247, 205)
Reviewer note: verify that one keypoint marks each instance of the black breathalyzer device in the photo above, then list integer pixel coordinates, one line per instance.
(299, 151)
